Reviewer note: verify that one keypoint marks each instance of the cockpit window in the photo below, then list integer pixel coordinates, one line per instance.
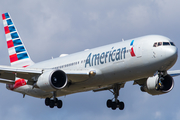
(156, 44)
(172, 43)
(166, 43)
(159, 43)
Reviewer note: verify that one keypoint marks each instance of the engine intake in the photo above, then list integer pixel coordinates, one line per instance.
(150, 86)
(52, 80)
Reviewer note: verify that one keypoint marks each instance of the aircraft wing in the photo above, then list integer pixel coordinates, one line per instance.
(8, 74)
(174, 73)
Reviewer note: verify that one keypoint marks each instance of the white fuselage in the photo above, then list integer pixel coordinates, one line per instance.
(115, 63)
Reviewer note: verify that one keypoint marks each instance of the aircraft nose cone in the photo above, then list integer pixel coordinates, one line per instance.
(171, 53)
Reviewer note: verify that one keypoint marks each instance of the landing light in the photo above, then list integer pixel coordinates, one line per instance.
(92, 73)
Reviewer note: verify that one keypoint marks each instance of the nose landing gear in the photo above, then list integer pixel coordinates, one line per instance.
(159, 85)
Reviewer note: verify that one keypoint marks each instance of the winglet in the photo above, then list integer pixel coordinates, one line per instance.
(17, 52)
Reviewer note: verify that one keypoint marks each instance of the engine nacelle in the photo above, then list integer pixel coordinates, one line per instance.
(150, 86)
(52, 80)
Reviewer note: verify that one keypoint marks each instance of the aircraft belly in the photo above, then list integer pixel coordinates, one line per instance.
(89, 83)
(35, 92)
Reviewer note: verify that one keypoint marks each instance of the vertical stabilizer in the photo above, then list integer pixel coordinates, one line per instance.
(18, 54)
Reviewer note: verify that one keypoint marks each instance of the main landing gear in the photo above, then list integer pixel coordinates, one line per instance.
(53, 102)
(161, 75)
(116, 103)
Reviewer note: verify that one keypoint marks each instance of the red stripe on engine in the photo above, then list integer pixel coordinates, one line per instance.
(18, 83)
(3, 16)
(13, 58)
(10, 44)
(6, 29)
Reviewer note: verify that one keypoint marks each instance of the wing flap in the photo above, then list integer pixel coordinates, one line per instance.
(7, 75)
(7, 81)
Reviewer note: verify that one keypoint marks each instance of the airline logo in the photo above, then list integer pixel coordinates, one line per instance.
(109, 56)
(132, 50)
(14, 43)
(106, 56)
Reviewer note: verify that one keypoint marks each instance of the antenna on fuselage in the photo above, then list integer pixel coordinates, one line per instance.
(122, 40)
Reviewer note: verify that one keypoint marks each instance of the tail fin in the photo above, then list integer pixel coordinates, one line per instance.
(18, 54)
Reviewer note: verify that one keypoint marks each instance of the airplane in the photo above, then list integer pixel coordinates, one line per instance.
(144, 60)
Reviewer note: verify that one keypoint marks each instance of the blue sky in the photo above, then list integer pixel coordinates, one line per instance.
(50, 28)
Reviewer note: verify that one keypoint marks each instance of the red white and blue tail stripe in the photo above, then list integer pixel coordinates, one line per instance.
(18, 54)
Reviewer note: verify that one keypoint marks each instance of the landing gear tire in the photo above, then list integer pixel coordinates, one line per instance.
(114, 106)
(121, 105)
(109, 103)
(47, 101)
(59, 104)
(52, 103)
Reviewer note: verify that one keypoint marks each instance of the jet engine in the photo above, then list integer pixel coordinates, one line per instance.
(167, 85)
(52, 80)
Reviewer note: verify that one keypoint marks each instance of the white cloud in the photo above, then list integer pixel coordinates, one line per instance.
(138, 16)
(158, 115)
(177, 115)
(92, 16)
